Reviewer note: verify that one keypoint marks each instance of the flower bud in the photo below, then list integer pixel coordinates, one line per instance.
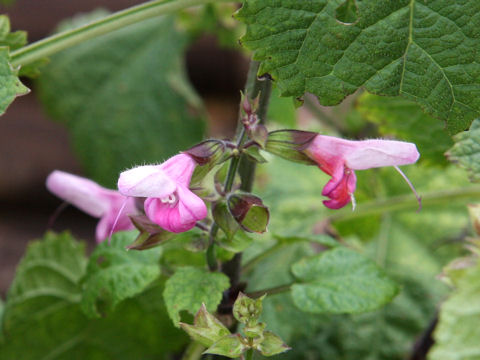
(247, 310)
(249, 212)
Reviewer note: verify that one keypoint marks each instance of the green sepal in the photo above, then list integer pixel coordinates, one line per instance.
(271, 344)
(249, 212)
(289, 144)
(206, 328)
(253, 153)
(231, 346)
(150, 235)
(247, 310)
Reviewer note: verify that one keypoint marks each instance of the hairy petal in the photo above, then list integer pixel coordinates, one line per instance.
(146, 181)
(179, 168)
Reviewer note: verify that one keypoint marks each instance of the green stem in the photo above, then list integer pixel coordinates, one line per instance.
(194, 351)
(272, 291)
(249, 355)
(407, 202)
(64, 40)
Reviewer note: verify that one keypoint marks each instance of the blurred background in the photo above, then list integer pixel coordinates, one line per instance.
(32, 145)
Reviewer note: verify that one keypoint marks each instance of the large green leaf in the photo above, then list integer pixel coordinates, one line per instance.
(424, 50)
(340, 281)
(43, 318)
(10, 85)
(124, 98)
(114, 273)
(466, 150)
(457, 333)
(405, 120)
(189, 287)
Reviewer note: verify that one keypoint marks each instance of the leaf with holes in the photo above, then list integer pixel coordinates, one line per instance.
(115, 274)
(424, 50)
(191, 287)
(340, 281)
(466, 150)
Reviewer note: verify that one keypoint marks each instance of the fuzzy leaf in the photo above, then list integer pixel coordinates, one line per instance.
(43, 318)
(127, 100)
(115, 274)
(340, 281)
(466, 150)
(10, 85)
(457, 334)
(189, 287)
(423, 50)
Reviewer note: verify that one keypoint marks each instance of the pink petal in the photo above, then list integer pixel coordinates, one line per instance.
(191, 207)
(83, 193)
(105, 226)
(377, 153)
(340, 191)
(146, 181)
(179, 168)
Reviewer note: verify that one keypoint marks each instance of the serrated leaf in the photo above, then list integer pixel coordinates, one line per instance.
(405, 120)
(43, 319)
(272, 345)
(13, 40)
(230, 346)
(457, 333)
(10, 85)
(119, 102)
(115, 274)
(466, 150)
(340, 281)
(421, 49)
(189, 287)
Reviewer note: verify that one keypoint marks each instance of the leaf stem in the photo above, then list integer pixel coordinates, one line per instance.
(193, 351)
(407, 202)
(271, 291)
(66, 39)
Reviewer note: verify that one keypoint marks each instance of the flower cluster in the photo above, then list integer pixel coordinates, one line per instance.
(173, 206)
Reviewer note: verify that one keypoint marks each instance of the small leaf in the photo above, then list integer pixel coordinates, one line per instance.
(249, 212)
(206, 329)
(230, 346)
(10, 85)
(191, 287)
(340, 281)
(466, 150)
(272, 345)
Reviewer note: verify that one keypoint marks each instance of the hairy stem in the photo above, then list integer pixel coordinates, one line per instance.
(66, 39)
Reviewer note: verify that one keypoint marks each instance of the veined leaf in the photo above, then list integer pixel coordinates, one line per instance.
(189, 287)
(43, 318)
(424, 50)
(114, 274)
(124, 97)
(466, 150)
(340, 281)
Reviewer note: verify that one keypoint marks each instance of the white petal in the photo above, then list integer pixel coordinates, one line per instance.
(146, 181)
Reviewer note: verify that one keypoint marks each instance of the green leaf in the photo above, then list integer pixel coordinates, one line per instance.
(43, 318)
(124, 98)
(230, 346)
(405, 120)
(272, 344)
(457, 332)
(13, 40)
(466, 150)
(115, 274)
(189, 287)
(340, 281)
(10, 85)
(423, 50)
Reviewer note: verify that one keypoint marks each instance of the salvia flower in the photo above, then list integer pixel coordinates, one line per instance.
(169, 203)
(340, 158)
(109, 205)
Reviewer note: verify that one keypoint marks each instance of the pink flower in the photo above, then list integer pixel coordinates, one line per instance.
(169, 203)
(111, 207)
(339, 158)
